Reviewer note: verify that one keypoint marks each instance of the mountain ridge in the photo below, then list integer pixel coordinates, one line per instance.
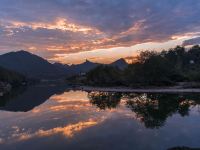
(34, 66)
(29, 65)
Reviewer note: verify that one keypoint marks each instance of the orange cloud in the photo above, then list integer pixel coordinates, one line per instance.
(59, 23)
(68, 131)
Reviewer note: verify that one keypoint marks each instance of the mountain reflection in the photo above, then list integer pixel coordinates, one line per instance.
(70, 116)
(151, 109)
(23, 100)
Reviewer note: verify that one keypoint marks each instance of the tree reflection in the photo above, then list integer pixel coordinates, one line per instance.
(151, 109)
(154, 109)
(183, 148)
(104, 100)
(14, 93)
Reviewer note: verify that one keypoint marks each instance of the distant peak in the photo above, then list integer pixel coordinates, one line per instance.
(13, 53)
(57, 63)
(121, 63)
(18, 52)
(23, 51)
(87, 61)
(120, 60)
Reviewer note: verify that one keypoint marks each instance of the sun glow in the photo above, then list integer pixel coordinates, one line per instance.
(59, 24)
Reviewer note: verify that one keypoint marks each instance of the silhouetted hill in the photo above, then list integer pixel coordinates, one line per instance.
(30, 65)
(34, 66)
(84, 67)
(88, 65)
(120, 63)
(61, 66)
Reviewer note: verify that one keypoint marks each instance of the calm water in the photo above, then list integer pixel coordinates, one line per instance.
(54, 117)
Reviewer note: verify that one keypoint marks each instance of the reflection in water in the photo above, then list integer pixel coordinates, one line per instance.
(183, 148)
(50, 119)
(6, 98)
(56, 118)
(27, 98)
(155, 109)
(105, 100)
(68, 131)
(151, 109)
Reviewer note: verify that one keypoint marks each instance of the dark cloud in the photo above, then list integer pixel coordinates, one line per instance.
(111, 16)
(121, 22)
(193, 41)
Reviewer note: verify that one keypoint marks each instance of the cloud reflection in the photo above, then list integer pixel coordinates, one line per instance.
(72, 112)
(68, 131)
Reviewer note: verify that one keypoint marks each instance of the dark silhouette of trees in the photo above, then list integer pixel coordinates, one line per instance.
(104, 75)
(183, 148)
(105, 100)
(153, 68)
(154, 109)
(156, 70)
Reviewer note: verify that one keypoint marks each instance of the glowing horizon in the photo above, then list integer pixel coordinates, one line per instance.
(71, 31)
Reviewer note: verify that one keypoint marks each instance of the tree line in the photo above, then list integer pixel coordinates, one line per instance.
(152, 68)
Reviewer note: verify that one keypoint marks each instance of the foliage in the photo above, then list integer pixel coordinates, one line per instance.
(152, 69)
(151, 109)
(104, 75)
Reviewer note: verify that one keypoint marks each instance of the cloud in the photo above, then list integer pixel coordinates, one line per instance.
(51, 27)
(193, 41)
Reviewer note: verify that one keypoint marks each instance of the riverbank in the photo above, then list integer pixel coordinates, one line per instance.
(140, 90)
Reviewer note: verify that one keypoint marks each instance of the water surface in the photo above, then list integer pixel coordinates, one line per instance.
(55, 117)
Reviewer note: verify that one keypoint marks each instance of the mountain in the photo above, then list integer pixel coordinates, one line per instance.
(120, 63)
(61, 66)
(84, 67)
(88, 65)
(33, 66)
(30, 65)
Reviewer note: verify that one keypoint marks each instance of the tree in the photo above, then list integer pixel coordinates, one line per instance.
(104, 75)
(156, 70)
(153, 68)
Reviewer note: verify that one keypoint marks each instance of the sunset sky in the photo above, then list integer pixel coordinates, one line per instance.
(70, 31)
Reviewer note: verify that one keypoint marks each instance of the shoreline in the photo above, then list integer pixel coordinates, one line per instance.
(140, 90)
